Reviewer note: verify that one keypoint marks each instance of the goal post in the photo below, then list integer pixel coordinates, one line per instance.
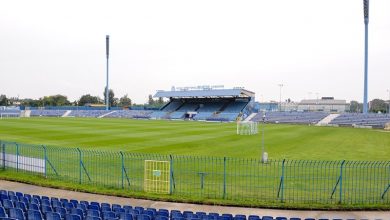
(5, 115)
(247, 128)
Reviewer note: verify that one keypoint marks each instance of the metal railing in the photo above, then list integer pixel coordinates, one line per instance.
(204, 177)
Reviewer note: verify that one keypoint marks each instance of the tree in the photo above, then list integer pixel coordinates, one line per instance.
(88, 99)
(55, 100)
(112, 101)
(3, 100)
(378, 105)
(355, 106)
(160, 101)
(151, 101)
(125, 101)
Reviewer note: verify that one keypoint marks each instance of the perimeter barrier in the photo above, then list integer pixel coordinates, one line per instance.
(204, 177)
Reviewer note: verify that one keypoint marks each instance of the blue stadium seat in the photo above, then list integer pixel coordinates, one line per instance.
(164, 213)
(95, 207)
(24, 200)
(68, 206)
(140, 209)
(95, 203)
(3, 214)
(160, 217)
(227, 216)
(33, 206)
(281, 218)
(92, 218)
(143, 217)
(13, 198)
(56, 203)
(46, 208)
(28, 196)
(8, 204)
(21, 206)
(74, 202)
(61, 210)
(19, 194)
(38, 197)
(81, 206)
(239, 217)
(16, 213)
(126, 216)
(115, 206)
(76, 211)
(86, 203)
(267, 218)
(107, 215)
(35, 201)
(45, 202)
(93, 213)
(62, 200)
(72, 217)
(34, 215)
(53, 216)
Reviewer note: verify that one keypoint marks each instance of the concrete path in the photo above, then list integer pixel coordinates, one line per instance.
(37, 190)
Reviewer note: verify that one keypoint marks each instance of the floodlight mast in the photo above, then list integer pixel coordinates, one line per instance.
(264, 157)
(107, 56)
(366, 13)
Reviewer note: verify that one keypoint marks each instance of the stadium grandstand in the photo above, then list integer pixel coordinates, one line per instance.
(210, 103)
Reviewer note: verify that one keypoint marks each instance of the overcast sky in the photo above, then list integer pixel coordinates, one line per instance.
(310, 46)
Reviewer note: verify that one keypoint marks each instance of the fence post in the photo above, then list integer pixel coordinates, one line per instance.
(122, 166)
(170, 174)
(3, 151)
(80, 165)
(341, 179)
(282, 183)
(17, 157)
(224, 177)
(45, 157)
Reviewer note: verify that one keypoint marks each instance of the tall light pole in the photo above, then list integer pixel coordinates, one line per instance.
(264, 155)
(107, 56)
(388, 111)
(366, 10)
(280, 96)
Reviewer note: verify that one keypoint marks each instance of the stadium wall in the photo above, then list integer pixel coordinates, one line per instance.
(201, 177)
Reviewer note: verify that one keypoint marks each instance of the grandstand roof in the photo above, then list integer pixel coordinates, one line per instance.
(211, 93)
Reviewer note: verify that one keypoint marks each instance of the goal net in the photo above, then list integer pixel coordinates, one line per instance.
(5, 115)
(247, 128)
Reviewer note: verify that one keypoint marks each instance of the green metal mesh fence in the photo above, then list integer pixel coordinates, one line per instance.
(288, 181)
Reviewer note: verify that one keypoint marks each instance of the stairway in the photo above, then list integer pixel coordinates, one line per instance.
(66, 114)
(250, 116)
(104, 115)
(325, 121)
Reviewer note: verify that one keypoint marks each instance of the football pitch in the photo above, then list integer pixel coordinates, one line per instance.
(301, 142)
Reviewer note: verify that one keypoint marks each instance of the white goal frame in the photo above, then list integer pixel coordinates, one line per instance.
(7, 115)
(247, 128)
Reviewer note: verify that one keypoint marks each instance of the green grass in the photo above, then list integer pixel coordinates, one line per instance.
(199, 138)
(236, 180)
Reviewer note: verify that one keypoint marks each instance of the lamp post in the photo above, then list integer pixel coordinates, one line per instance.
(107, 56)
(280, 96)
(388, 111)
(264, 155)
(366, 10)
